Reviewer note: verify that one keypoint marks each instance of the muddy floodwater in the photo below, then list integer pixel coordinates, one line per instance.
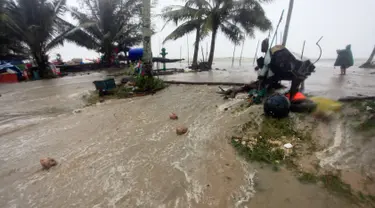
(125, 153)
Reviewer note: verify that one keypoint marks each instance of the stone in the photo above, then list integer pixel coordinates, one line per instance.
(173, 116)
(48, 162)
(243, 143)
(181, 130)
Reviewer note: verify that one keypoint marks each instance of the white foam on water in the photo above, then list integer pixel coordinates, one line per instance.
(334, 153)
(247, 190)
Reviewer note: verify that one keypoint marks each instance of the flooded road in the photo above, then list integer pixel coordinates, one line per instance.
(125, 153)
(326, 81)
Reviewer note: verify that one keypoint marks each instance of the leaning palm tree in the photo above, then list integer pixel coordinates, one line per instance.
(107, 23)
(192, 17)
(36, 24)
(369, 63)
(234, 18)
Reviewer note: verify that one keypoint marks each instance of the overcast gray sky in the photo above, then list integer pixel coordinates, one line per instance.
(341, 22)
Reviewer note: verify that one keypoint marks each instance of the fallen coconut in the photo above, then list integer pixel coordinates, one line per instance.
(181, 130)
(48, 162)
(173, 116)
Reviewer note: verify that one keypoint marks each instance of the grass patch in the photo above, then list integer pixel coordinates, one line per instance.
(143, 85)
(334, 184)
(148, 84)
(308, 178)
(262, 151)
(362, 105)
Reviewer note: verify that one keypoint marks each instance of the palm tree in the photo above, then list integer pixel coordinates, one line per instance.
(8, 45)
(107, 23)
(368, 63)
(36, 24)
(235, 18)
(192, 16)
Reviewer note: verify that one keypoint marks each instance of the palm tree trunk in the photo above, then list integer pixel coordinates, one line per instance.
(212, 50)
(369, 60)
(147, 51)
(39, 58)
(196, 49)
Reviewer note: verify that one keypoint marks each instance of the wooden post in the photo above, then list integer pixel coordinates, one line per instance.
(180, 54)
(234, 53)
(256, 53)
(243, 44)
(286, 31)
(303, 50)
(202, 53)
(187, 40)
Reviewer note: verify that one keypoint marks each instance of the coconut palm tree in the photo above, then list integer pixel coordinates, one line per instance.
(107, 23)
(36, 24)
(8, 45)
(192, 17)
(234, 18)
(368, 63)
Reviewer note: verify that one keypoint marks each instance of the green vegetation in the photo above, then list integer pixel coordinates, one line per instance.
(37, 26)
(144, 85)
(268, 139)
(262, 151)
(308, 178)
(232, 17)
(366, 118)
(106, 23)
(149, 84)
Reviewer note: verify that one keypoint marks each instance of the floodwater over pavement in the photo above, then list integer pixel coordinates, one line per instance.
(125, 153)
(326, 81)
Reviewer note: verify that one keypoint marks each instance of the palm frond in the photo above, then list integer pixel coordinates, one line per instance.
(182, 30)
(232, 31)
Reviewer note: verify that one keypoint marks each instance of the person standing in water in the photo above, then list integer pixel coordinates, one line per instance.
(344, 59)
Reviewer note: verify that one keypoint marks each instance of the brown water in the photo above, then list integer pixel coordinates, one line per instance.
(125, 153)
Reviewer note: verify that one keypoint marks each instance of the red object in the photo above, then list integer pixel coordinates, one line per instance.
(28, 66)
(8, 78)
(297, 96)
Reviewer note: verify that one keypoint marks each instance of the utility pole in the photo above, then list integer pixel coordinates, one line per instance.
(290, 11)
(147, 51)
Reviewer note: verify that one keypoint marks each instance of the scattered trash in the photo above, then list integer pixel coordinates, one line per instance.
(288, 146)
(243, 143)
(48, 162)
(368, 108)
(173, 116)
(181, 130)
